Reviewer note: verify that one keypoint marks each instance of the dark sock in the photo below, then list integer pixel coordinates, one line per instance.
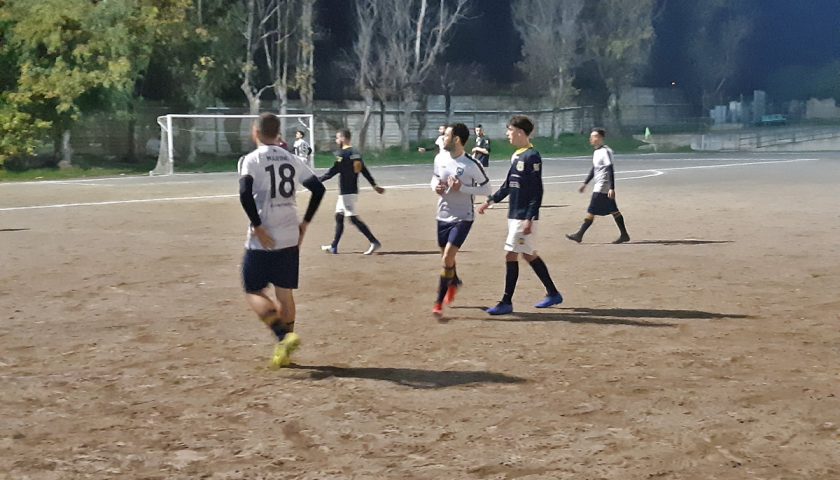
(446, 276)
(542, 272)
(619, 220)
(587, 222)
(280, 330)
(455, 280)
(511, 276)
(339, 229)
(364, 229)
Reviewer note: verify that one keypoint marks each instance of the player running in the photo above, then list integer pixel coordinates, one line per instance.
(457, 178)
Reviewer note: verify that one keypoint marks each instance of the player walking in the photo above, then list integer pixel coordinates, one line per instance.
(603, 192)
(348, 165)
(525, 188)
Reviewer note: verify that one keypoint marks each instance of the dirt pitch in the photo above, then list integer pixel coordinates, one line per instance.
(708, 348)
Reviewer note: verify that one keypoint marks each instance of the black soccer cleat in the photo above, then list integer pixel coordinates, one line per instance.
(622, 239)
(575, 237)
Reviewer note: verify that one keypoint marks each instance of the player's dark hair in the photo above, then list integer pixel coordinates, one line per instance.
(345, 132)
(479, 126)
(600, 131)
(268, 125)
(461, 131)
(522, 122)
(301, 132)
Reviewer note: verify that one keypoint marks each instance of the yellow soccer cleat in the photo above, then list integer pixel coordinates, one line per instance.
(283, 351)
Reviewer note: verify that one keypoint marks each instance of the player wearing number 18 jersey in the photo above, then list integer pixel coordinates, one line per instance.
(268, 180)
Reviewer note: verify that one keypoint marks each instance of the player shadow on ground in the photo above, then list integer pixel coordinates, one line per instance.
(603, 316)
(410, 377)
(677, 242)
(13, 229)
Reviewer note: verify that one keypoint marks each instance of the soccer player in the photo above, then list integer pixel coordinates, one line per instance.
(481, 150)
(302, 148)
(349, 164)
(603, 192)
(268, 179)
(525, 188)
(457, 179)
(438, 142)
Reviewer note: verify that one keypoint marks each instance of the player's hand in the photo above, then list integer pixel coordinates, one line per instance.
(611, 194)
(483, 207)
(527, 227)
(582, 188)
(440, 189)
(379, 189)
(302, 230)
(421, 150)
(264, 237)
(455, 184)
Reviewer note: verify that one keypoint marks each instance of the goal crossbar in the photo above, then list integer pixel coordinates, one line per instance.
(167, 133)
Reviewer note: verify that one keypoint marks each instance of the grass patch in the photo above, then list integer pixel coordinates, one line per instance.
(83, 167)
(89, 167)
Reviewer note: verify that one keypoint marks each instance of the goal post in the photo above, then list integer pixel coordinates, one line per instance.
(198, 142)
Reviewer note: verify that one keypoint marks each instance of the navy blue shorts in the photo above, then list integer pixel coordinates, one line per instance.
(484, 160)
(277, 267)
(453, 232)
(601, 204)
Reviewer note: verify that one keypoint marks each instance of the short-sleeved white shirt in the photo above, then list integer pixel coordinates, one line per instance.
(601, 159)
(277, 175)
(458, 206)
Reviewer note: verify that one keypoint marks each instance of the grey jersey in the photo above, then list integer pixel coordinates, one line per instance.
(457, 206)
(601, 159)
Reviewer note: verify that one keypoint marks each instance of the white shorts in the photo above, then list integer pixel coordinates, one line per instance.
(517, 241)
(346, 204)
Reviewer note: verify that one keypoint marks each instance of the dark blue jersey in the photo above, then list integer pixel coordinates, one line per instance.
(523, 184)
(348, 165)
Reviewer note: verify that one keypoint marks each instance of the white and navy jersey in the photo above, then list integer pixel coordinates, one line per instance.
(602, 169)
(277, 174)
(302, 149)
(523, 184)
(458, 206)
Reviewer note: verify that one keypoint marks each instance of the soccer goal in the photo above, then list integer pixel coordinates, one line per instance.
(200, 143)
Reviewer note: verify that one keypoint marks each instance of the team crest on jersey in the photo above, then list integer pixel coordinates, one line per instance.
(537, 167)
(459, 171)
(520, 166)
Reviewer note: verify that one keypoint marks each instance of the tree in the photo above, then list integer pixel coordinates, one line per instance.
(550, 35)
(405, 38)
(717, 36)
(618, 36)
(279, 50)
(75, 56)
(368, 64)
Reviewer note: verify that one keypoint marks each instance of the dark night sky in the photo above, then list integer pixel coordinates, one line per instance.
(787, 32)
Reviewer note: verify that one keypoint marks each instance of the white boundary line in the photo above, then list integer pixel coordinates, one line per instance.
(647, 173)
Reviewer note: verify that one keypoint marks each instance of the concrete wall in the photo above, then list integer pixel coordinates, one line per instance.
(771, 139)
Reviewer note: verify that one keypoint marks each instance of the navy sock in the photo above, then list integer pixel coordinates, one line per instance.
(511, 277)
(280, 330)
(542, 272)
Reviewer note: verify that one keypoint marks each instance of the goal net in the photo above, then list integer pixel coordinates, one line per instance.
(214, 143)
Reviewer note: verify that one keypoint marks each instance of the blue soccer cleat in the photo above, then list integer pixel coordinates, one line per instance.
(550, 300)
(501, 309)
